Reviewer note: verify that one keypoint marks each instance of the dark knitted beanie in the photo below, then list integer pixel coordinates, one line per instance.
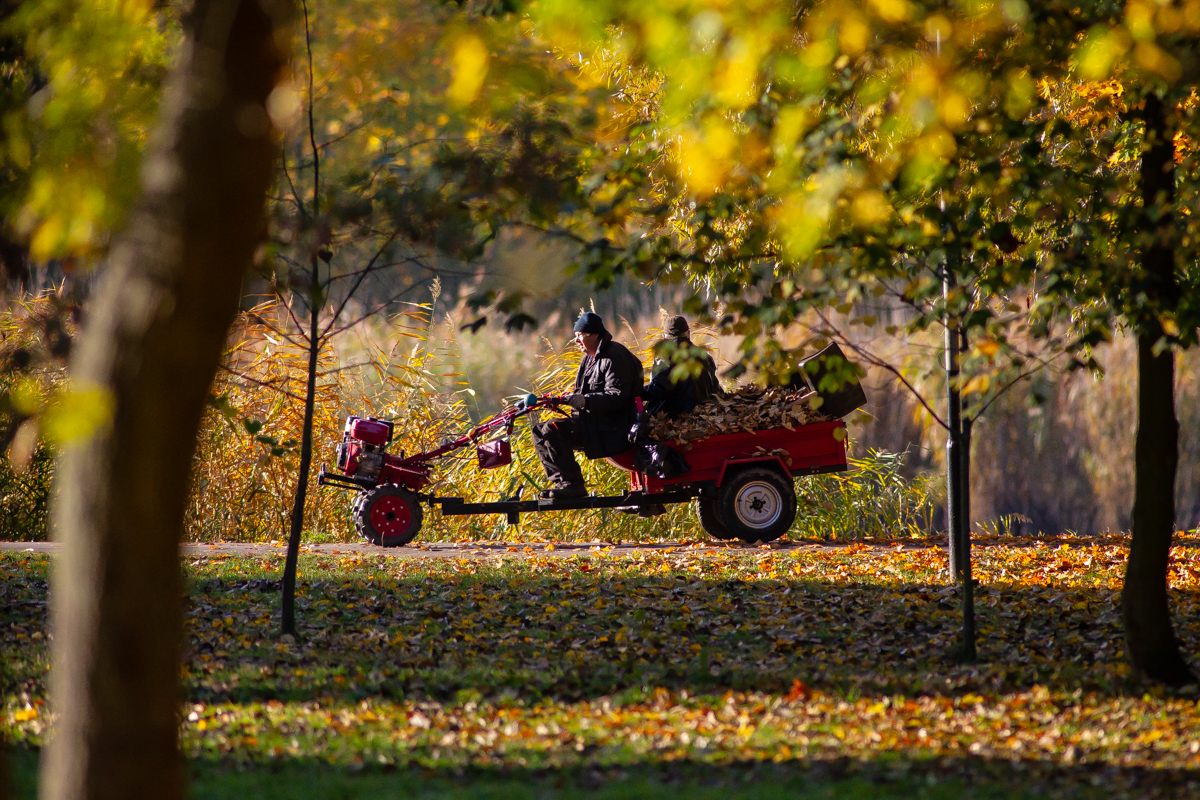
(590, 322)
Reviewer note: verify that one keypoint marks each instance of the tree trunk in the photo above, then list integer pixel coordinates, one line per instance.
(150, 346)
(1149, 637)
(306, 445)
(288, 609)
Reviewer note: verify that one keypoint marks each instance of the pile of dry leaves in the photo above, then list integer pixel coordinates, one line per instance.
(746, 409)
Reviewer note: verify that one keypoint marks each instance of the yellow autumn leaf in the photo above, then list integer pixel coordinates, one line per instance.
(469, 67)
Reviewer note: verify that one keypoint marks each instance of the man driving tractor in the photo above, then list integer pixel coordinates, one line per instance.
(609, 379)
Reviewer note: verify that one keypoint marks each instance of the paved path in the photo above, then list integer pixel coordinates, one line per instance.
(484, 549)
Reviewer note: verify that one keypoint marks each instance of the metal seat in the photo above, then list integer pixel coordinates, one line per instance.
(623, 460)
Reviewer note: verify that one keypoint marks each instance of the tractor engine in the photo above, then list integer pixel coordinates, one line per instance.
(364, 446)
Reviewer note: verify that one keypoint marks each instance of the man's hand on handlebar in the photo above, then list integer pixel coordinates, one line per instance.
(529, 402)
(577, 401)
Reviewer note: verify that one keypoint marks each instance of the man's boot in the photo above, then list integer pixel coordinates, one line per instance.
(566, 491)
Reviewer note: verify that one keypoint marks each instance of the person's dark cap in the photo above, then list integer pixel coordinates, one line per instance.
(677, 328)
(590, 322)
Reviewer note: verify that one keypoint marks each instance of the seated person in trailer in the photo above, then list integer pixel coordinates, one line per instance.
(608, 380)
(677, 397)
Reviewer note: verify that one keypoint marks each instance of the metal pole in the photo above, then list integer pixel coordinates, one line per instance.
(954, 468)
(958, 458)
(953, 405)
(968, 629)
(964, 485)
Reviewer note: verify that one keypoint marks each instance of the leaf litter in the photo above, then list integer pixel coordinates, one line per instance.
(830, 656)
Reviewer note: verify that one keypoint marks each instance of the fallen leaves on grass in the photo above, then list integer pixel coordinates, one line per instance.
(745, 655)
(661, 725)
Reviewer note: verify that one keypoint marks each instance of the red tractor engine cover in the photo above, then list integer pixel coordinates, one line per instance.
(371, 431)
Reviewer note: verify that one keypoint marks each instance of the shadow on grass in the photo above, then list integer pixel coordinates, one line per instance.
(582, 635)
(937, 779)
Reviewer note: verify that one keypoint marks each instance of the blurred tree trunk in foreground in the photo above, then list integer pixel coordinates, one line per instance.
(150, 347)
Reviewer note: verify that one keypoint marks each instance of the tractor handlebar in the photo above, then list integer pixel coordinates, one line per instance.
(501, 420)
(525, 405)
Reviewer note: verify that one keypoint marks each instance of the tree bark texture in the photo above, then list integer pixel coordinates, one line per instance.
(151, 344)
(1149, 636)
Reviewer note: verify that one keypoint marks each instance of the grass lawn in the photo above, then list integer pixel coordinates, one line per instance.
(321, 781)
(746, 673)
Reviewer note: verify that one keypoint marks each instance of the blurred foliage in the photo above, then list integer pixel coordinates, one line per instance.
(434, 128)
(817, 161)
(800, 163)
(90, 79)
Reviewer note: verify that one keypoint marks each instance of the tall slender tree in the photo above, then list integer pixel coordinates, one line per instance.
(1148, 630)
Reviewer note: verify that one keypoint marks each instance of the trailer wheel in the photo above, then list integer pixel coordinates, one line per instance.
(757, 505)
(388, 516)
(706, 509)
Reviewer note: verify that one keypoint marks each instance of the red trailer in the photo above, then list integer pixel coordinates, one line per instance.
(743, 483)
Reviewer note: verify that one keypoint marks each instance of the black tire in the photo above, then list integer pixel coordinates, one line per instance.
(706, 509)
(757, 505)
(356, 514)
(388, 516)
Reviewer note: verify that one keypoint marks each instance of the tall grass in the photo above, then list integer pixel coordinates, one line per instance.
(1053, 454)
(25, 497)
(434, 382)
(1066, 462)
(244, 470)
(33, 332)
(411, 370)
(873, 499)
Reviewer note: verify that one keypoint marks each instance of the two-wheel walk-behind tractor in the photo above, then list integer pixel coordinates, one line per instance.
(743, 483)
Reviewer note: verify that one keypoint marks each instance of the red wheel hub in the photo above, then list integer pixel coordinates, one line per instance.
(390, 516)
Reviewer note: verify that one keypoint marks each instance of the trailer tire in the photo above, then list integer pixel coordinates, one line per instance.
(388, 516)
(757, 504)
(710, 520)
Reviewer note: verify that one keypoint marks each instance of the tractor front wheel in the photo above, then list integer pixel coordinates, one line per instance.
(388, 516)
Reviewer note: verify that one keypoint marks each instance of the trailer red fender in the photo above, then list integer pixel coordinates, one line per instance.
(802, 450)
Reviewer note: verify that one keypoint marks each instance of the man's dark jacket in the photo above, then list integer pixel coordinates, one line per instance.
(609, 382)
